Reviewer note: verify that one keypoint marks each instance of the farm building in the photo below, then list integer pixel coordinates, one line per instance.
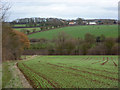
(72, 23)
(106, 21)
(92, 23)
(89, 22)
(85, 22)
(100, 22)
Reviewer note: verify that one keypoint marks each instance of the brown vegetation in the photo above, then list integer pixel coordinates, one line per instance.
(13, 43)
(64, 44)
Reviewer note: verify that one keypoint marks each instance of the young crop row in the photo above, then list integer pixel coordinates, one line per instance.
(36, 79)
(104, 60)
(85, 74)
(101, 60)
(114, 62)
(29, 75)
(84, 71)
(56, 72)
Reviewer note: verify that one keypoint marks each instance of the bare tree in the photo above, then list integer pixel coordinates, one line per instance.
(4, 8)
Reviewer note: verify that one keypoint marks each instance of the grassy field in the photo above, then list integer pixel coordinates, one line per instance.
(19, 25)
(6, 74)
(80, 31)
(22, 25)
(10, 78)
(30, 29)
(71, 71)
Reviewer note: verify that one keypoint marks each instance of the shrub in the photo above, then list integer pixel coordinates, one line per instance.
(109, 43)
(89, 38)
(115, 49)
(99, 49)
(84, 48)
(64, 44)
(33, 30)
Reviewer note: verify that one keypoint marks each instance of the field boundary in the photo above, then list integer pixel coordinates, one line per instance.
(52, 83)
(24, 81)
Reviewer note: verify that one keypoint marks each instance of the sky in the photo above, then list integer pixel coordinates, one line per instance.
(65, 9)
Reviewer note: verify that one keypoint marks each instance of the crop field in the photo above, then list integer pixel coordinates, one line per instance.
(71, 71)
(79, 31)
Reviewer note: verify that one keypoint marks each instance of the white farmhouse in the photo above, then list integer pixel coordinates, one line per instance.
(92, 23)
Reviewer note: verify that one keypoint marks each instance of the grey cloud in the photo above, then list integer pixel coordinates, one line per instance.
(64, 8)
(111, 8)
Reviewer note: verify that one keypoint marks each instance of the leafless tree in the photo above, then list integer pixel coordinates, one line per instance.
(4, 8)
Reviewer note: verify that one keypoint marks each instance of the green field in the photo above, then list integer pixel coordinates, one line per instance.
(30, 29)
(80, 31)
(6, 74)
(20, 25)
(71, 71)
(10, 78)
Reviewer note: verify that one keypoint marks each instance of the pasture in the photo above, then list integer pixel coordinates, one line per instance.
(30, 29)
(22, 25)
(71, 71)
(79, 31)
(19, 25)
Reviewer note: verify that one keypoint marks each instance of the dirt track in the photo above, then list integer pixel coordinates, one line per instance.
(24, 82)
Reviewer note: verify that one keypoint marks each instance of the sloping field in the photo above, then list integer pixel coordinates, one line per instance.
(79, 31)
(71, 71)
(31, 29)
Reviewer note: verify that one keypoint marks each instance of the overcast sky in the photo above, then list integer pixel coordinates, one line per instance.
(66, 9)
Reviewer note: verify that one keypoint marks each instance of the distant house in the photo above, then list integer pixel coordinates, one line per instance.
(92, 23)
(106, 21)
(72, 23)
(63, 21)
(89, 22)
(85, 22)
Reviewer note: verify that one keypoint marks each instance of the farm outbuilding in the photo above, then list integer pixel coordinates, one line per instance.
(92, 23)
(72, 23)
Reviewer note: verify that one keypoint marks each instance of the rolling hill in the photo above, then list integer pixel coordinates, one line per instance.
(79, 31)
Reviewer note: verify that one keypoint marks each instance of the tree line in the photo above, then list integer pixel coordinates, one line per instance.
(64, 44)
(40, 22)
(56, 22)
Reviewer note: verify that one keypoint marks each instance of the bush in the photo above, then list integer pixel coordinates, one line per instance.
(99, 49)
(64, 44)
(89, 38)
(109, 43)
(51, 48)
(115, 49)
(84, 48)
(33, 30)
